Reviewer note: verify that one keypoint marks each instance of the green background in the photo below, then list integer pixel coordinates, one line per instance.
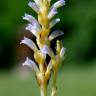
(77, 75)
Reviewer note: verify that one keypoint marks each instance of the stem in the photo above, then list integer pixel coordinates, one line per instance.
(54, 87)
(43, 90)
(43, 86)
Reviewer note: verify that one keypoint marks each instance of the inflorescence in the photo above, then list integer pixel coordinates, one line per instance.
(41, 29)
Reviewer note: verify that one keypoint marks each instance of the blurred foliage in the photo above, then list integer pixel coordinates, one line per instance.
(71, 82)
(78, 21)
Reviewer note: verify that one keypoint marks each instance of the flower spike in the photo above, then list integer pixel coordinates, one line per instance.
(47, 59)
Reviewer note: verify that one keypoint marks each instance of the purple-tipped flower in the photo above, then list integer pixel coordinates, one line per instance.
(47, 50)
(59, 4)
(34, 6)
(29, 43)
(34, 28)
(52, 13)
(54, 22)
(55, 34)
(62, 52)
(31, 64)
(38, 2)
(29, 18)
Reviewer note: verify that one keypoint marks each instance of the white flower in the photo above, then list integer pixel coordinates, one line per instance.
(31, 19)
(54, 22)
(34, 6)
(47, 50)
(29, 43)
(34, 28)
(55, 34)
(33, 22)
(58, 4)
(31, 64)
(52, 13)
(38, 2)
(62, 52)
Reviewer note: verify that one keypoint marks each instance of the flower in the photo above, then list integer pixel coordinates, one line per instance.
(55, 34)
(59, 4)
(54, 22)
(62, 52)
(31, 64)
(34, 26)
(34, 29)
(29, 43)
(52, 13)
(34, 6)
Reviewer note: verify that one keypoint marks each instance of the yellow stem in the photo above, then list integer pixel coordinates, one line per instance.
(43, 85)
(43, 89)
(54, 87)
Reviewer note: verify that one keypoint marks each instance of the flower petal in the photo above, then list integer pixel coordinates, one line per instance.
(30, 18)
(54, 22)
(34, 6)
(47, 50)
(55, 34)
(62, 52)
(34, 28)
(31, 64)
(52, 13)
(59, 4)
(38, 2)
(29, 43)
